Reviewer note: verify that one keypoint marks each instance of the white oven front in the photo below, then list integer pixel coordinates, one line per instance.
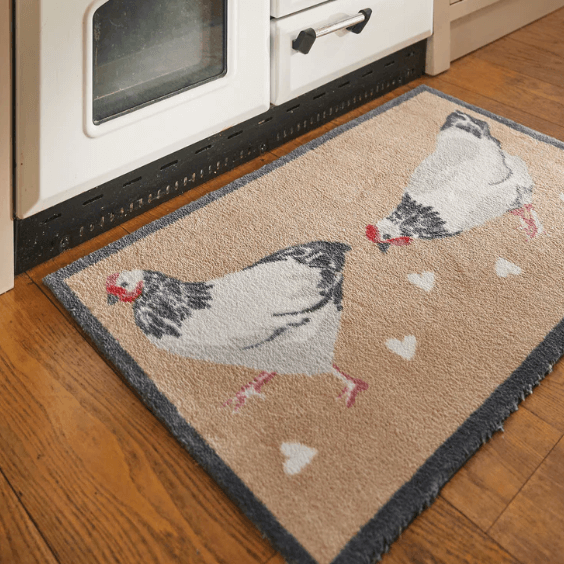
(106, 86)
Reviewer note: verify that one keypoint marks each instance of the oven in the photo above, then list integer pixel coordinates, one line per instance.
(121, 105)
(104, 87)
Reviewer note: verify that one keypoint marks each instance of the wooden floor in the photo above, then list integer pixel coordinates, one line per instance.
(87, 474)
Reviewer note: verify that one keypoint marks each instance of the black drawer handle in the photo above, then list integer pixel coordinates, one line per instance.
(305, 40)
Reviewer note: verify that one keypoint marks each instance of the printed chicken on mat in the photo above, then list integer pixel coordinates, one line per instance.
(280, 315)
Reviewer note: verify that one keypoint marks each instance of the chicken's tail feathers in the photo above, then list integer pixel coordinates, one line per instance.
(317, 254)
(327, 253)
(336, 247)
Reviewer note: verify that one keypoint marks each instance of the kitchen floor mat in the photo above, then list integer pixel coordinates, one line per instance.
(333, 336)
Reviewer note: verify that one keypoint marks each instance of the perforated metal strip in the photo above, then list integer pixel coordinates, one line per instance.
(66, 225)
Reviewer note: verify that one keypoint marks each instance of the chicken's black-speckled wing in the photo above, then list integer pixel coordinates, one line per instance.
(166, 302)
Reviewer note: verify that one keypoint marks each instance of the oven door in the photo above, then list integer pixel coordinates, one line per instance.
(106, 86)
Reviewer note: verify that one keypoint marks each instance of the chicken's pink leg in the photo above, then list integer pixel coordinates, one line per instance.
(251, 389)
(352, 386)
(530, 222)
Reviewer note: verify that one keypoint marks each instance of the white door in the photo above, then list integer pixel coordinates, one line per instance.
(106, 86)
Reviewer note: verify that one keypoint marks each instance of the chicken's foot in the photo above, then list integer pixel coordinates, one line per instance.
(352, 386)
(251, 389)
(530, 222)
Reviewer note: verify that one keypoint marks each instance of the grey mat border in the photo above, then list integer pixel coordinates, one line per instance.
(412, 498)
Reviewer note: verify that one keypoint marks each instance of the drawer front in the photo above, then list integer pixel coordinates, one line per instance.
(281, 8)
(393, 24)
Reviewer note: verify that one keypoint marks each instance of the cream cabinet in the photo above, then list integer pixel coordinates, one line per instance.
(462, 26)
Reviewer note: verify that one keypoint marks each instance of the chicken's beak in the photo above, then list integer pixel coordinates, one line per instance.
(383, 247)
(112, 299)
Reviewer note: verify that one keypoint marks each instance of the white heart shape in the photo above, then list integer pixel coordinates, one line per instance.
(298, 456)
(562, 196)
(504, 268)
(405, 348)
(425, 280)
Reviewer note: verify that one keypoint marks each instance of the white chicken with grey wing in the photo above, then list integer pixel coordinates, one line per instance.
(280, 315)
(467, 181)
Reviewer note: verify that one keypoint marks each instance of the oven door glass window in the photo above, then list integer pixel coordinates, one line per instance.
(147, 50)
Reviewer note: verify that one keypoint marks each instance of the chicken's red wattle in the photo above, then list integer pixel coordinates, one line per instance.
(373, 234)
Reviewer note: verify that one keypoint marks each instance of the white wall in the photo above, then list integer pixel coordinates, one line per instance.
(6, 222)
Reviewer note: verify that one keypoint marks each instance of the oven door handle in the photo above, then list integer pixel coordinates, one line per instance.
(305, 40)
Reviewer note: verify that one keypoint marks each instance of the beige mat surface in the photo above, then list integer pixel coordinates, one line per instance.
(333, 336)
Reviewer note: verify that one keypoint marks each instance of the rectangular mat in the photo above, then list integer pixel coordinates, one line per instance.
(333, 336)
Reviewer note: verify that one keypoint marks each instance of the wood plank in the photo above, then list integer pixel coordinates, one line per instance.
(487, 483)
(101, 477)
(488, 24)
(508, 87)
(533, 524)
(547, 402)
(545, 34)
(276, 559)
(529, 60)
(518, 115)
(442, 535)
(20, 541)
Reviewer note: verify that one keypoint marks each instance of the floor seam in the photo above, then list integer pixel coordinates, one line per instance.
(29, 516)
(75, 326)
(483, 532)
(445, 77)
(522, 486)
